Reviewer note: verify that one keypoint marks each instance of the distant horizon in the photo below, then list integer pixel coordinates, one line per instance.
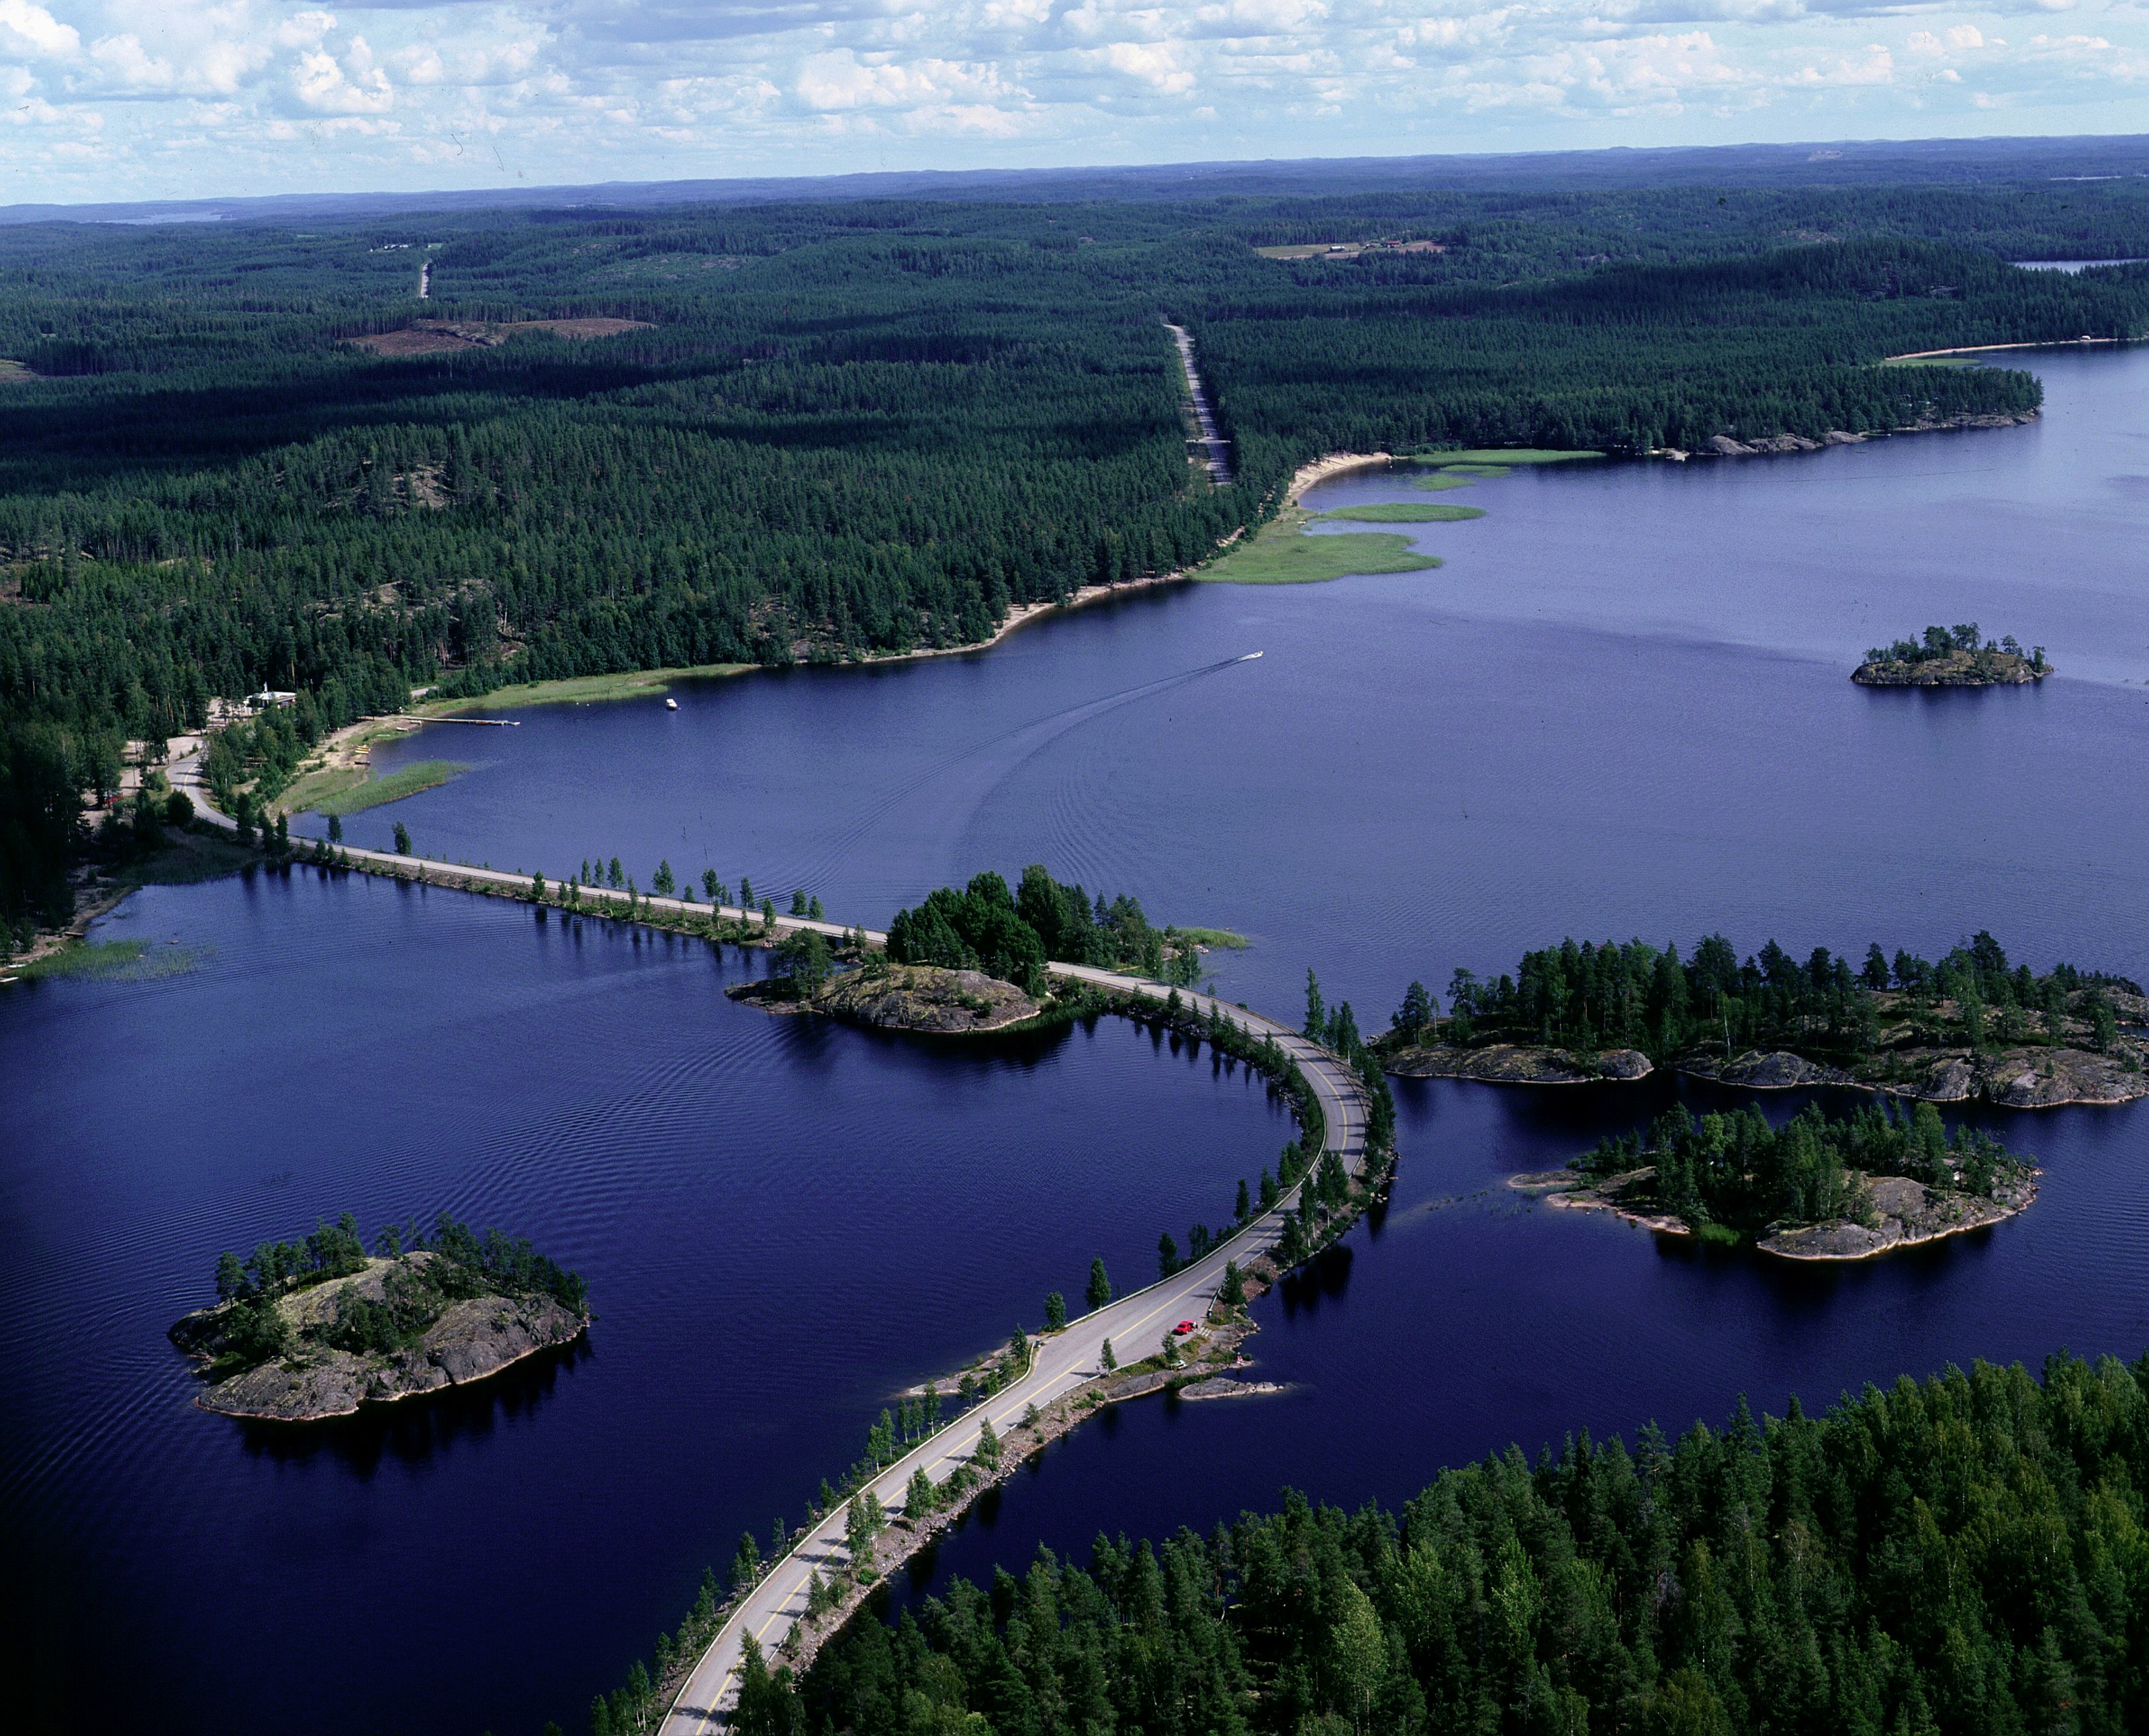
(1827, 161)
(113, 101)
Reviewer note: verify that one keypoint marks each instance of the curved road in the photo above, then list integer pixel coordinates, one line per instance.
(1063, 1360)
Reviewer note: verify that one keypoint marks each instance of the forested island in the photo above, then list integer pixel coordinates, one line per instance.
(971, 959)
(1822, 1187)
(1973, 1025)
(1959, 1553)
(1954, 656)
(825, 432)
(304, 1331)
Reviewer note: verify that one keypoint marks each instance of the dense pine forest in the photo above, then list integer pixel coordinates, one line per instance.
(1963, 1554)
(1598, 995)
(837, 429)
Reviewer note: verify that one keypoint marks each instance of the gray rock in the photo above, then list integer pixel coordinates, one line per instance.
(1510, 1063)
(471, 1340)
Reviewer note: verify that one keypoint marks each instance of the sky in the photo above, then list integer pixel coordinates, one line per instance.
(137, 99)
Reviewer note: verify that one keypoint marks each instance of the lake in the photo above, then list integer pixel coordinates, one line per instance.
(1621, 707)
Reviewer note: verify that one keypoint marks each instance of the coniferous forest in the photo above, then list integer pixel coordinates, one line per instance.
(834, 429)
(1963, 1554)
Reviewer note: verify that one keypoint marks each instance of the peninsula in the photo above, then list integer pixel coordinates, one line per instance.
(305, 1330)
(1954, 656)
(1822, 1188)
(1972, 1026)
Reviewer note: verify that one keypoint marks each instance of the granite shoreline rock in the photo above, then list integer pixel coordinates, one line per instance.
(921, 998)
(2021, 1076)
(1512, 1063)
(473, 1339)
(1901, 1212)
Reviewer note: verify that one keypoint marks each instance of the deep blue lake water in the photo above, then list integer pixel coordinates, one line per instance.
(1621, 707)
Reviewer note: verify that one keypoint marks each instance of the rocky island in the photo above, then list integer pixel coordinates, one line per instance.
(1970, 1028)
(1954, 656)
(1821, 1188)
(974, 960)
(305, 1331)
(926, 997)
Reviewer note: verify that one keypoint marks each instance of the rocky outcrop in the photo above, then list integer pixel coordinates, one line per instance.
(1903, 1213)
(1723, 445)
(470, 1339)
(1224, 1386)
(1899, 1213)
(1512, 1063)
(903, 998)
(2019, 1077)
(1778, 1070)
(473, 1340)
(1958, 669)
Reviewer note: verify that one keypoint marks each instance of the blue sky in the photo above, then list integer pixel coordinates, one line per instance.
(119, 99)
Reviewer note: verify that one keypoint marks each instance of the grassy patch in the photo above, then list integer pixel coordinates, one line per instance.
(1444, 479)
(116, 961)
(307, 793)
(1487, 471)
(1283, 554)
(1406, 512)
(424, 774)
(577, 690)
(1716, 1236)
(1504, 454)
(1215, 938)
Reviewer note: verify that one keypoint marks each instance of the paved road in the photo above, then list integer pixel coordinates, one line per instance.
(1135, 1324)
(1065, 1360)
(1215, 449)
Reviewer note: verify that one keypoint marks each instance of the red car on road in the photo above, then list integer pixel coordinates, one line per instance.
(1183, 1327)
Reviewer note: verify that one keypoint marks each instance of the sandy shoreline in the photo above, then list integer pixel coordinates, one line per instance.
(1915, 355)
(1334, 464)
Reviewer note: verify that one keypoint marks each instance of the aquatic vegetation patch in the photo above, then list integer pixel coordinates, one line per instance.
(1405, 512)
(583, 689)
(1283, 554)
(1505, 455)
(117, 961)
(424, 774)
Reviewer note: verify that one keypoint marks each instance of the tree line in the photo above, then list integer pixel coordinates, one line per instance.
(1011, 935)
(1937, 643)
(1960, 1554)
(1593, 996)
(1735, 1172)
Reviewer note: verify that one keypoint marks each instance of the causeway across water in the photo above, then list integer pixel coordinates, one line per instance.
(1062, 1361)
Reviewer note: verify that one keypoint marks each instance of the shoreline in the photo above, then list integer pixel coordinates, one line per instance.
(2012, 1081)
(1568, 1190)
(372, 1401)
(1334, 464)
(1916, 356)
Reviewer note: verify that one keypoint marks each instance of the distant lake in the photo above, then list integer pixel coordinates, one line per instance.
(1621, 707)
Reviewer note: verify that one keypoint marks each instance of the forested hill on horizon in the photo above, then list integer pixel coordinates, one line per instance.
(1832, 164)
(833, 428)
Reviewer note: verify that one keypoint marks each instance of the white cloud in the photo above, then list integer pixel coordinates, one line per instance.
(211, 95)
